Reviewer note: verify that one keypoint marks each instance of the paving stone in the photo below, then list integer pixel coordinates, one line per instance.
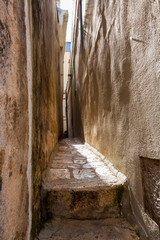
(103, 172)
(87, 165)
(62, 160)
(78, 186)
(59, 174)
(80, 157)
(98, 170)
(96, 164)
(106, 229)
(58, 165)
(84, 173)
(79, 161)
(63, 148)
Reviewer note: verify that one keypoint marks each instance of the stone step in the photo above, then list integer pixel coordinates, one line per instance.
(78, 184)
(82, 204)
(72, 229)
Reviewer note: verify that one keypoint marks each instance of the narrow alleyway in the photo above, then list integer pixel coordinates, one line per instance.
(106, 71)
(82, 196)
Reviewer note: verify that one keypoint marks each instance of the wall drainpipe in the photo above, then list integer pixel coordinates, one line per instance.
(29, 80)
(67, 112)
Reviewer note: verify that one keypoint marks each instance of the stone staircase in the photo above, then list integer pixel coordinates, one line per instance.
(82, 196)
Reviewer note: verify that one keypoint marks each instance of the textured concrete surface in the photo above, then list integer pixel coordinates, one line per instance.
(116, 98)
(77, 184)
(106, 229)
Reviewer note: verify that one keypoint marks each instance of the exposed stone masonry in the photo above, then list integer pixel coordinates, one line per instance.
(5, 42)
(151, 185)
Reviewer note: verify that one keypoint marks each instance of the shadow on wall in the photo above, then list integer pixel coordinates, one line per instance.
(47, 91)
(151, 187)
(124, 93)
(78, 123)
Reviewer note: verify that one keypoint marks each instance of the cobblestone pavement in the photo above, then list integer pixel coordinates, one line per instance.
(76, 165)
(81, 190)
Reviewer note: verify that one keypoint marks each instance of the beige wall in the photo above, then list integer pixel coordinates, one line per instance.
(30, 124)
(62, 33)
(116, 105)
(66, 67)
(48, 53)
(13, 122)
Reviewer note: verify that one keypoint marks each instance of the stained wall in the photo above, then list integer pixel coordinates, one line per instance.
(13, 122)
(31, 119)
(47, 59)
(116, 87)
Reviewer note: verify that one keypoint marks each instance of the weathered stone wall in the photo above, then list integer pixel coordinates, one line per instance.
(47, 94)
(116, 99)
(151, 177)
(30, 124)
(13, 122)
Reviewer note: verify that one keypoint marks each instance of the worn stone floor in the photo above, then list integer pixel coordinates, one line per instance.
(81, 196)
(76, 165)
(103, 229)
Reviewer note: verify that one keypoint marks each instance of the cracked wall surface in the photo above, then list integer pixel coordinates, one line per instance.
(116, 99)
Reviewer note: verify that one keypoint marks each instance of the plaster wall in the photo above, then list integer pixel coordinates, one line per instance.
(62, 33)
(70, 115)
(67, 57)
(116, 102)
(13, 122)
(47, 60)
(66, 66)
(31, 121)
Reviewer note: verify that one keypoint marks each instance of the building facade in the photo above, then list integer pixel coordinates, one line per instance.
(66, 72)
